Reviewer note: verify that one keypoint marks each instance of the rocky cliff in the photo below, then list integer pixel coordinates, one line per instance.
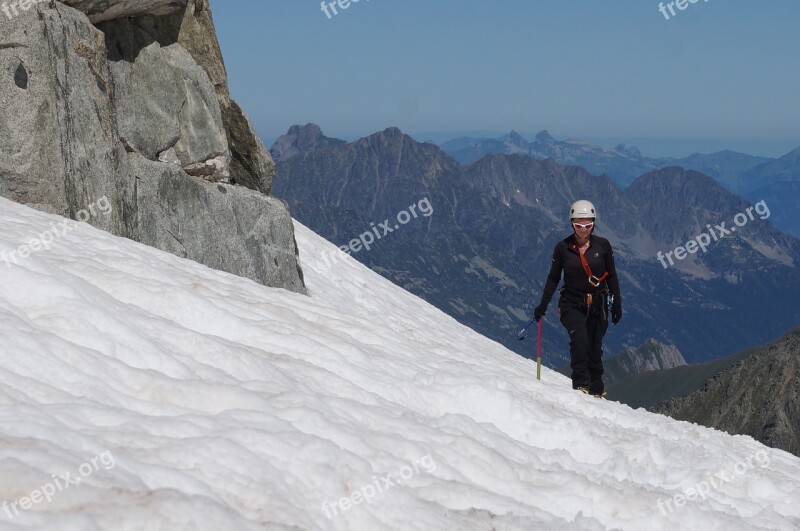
(759, 396)
(128, 100)
(651, 355)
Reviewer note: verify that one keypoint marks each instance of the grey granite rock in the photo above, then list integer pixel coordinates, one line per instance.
(59, 147)
(101, 10)
(167, 101)
(124, 113)
(226, 227)
(193, 28)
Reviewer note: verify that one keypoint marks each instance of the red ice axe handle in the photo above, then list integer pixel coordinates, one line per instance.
(539, 352)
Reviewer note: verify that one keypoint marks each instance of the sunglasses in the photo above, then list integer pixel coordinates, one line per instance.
(583, 225)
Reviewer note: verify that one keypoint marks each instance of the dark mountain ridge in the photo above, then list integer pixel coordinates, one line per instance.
(758, 396)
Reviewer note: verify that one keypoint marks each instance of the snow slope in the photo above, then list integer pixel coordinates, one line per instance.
(179, 397)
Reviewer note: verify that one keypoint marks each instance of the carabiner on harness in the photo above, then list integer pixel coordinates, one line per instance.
(593, 280)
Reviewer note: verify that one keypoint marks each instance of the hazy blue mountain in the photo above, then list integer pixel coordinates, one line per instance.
(783, 199)
(784, 169)
(624, 164)
(726, 167)
(778, 183)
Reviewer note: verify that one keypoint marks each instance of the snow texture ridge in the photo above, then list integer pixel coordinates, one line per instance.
(180, 397)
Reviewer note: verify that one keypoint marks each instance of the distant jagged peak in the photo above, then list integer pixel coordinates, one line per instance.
(632, 152)
(391, 132)
(308, 130)
(301, 139)
(676, 193)
(794, 154)
(544, 137)
(678, 176)
(517, 139)
(391, 136)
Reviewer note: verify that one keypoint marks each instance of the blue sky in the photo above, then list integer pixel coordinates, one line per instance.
(720, 74)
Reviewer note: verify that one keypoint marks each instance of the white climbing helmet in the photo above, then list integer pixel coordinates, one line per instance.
(582, 209)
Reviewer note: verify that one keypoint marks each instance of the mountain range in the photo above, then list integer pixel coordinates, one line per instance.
(484, 252)
(621, 163)
(624, 164)
(756, 178)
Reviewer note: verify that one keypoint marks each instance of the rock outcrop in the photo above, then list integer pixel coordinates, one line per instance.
(651, 355)
(129, 100)
(759, 397)
(100, 10)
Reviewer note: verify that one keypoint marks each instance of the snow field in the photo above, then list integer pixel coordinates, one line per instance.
(229, 405)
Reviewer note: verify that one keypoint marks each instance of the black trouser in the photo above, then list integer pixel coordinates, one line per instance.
(586, 326)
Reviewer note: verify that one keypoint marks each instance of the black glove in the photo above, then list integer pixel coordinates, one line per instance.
(539, 312)
(616, 312)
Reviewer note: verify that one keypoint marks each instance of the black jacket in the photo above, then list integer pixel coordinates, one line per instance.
(600, 257)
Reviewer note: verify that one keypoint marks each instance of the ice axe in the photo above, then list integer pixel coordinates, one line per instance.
(539, 352)
(524, 333)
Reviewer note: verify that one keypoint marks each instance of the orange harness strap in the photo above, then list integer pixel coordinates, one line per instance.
(593, 280)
